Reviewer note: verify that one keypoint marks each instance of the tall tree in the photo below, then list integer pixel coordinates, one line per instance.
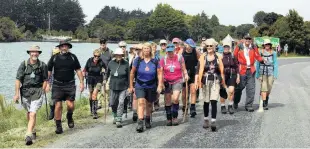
(271, 18)
(214, 21)
(258, 18)
(243, 30)
(296, 34)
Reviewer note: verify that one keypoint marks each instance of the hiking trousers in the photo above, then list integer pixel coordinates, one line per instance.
(117, 99)
(248, 81)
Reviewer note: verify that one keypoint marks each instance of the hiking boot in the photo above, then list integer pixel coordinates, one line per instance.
(119, 122)
(140, 126)
(235, 106)
(34, 136)
(169, 123)
(213, 126)
(267, 99)
(28, 140)
(70, 123)
(59, 130)
(91, 107)
(206, 124)
(95, 106)
(193, 111)
(223, 109)
(230, 109)
(114, 117)
(265, 105)
(52, 110)
(95, 116)
(175, 122)
(134, 117)
(249, 109)
(148, 123)
(156, 106)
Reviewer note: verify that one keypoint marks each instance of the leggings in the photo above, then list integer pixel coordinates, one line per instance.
(213, 109)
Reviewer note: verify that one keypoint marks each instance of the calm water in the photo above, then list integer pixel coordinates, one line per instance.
(12, 54)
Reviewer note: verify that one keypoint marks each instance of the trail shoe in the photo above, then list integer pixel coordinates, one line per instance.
(249, 109)
(267, 99)
(119, 122)
(206, 124)
(265, 105)
(223, 109)
(140, 126)
(134, 117)
(175, 122)
(34, 136)
(148, 123)
(213, 126)
(235, 106)
(28, 140)
(95, 107)
(70, 123)
(91, 106)
(59, 130)
(156, 106)
(169, 123)
(230, 109)
(52, 110)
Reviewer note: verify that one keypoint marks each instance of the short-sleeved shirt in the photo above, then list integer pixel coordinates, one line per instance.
(176, 75)
(162, 53)
(146, 72)
(64, 66)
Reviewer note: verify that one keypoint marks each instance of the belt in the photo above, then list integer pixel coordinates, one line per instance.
(64, 81)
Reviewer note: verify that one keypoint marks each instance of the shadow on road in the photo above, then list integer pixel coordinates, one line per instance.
(256, 106)
(225, 123)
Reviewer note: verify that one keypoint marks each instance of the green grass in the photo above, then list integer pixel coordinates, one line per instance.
(13, 124)
(292, 55)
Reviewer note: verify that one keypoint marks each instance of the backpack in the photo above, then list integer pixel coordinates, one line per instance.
(179, 59)
(54, 60)
(262, 55)
(154, 61)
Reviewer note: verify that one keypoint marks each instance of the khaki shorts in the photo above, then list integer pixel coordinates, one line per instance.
(267, 82)
(211, 91)
(32, 105)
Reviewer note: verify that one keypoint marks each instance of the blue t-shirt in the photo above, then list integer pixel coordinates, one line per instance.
(220, 49)
(146, 72)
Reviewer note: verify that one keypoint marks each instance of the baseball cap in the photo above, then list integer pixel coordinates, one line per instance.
(170, 47)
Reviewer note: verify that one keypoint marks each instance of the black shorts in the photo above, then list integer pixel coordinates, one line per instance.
(229, 82)
(150, 94)
(62, 92)
(191, 80)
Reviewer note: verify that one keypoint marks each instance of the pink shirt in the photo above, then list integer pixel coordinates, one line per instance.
(172, 69)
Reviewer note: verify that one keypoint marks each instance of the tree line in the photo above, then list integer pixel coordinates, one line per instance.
(30, 21)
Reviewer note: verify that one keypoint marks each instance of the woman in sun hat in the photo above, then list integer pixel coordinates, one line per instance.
(268, 71)
(118, 71)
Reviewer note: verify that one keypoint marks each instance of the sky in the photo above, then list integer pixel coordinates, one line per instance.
(229, 12)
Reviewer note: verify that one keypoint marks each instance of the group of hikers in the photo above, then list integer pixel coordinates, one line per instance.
(136, 78)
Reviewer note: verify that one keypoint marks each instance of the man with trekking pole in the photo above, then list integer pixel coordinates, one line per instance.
(30, 84)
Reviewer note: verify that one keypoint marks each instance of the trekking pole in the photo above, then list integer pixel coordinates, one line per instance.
(186, 102)
(46, 106)
(105, 106)
(261, 109)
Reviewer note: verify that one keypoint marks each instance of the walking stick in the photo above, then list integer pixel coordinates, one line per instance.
(46, 106)
(261, 109)
(105, 106)
(186, 102)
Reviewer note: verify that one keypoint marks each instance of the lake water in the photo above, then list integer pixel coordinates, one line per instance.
(12, 54)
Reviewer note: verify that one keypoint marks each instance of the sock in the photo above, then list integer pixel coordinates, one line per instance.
(213, 120)
(147, 118)
(206, 118)
(134, 110)
(231, 103)
(58, 123)
(69, 115)
(175, 109)
(214, 109)
(206, 109)
(222, 104)
(168, 112)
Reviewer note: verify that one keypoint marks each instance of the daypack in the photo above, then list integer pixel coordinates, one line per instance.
(179, 59)
(155, 80)
(264, 65)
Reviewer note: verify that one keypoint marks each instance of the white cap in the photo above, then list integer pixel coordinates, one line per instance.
(163, 41)
(122, 44)
(118, 51)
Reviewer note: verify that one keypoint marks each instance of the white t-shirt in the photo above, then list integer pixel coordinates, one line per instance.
(246, 55)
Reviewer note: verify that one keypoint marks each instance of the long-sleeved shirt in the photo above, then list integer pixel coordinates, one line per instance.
(119, 74)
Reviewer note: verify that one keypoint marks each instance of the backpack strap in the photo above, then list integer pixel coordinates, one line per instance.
(26, 64)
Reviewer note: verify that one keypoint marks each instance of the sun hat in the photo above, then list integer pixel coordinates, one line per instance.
(267, 41)
(122, 44)
(177, 40)
(163, 41)
(63, 42)
(34, 48)
(118, 51)
(190, 42)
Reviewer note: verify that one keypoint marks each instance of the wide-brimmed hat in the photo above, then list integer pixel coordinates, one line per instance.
(122, 44)
(190, 42)
(170, 47)
(61, 43)
(163, 41)
(225, 43)
(267, 41)
(118, 51)
(34, 48)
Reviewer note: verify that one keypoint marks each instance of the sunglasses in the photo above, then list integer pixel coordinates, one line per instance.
(97, 56)
(175, 43)
(248, 39)
(163, 44)
(122, 47)
(102, 43)
(209, 46)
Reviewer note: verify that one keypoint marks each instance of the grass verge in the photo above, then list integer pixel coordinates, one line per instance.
(292, 55)
(13, 124)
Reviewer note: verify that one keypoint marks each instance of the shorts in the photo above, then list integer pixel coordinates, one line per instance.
(267, 85)
(169, 88)
(150, 94)
(191, 80)
(211, 90)
(62, 92)
(32, 105)
(91, 87)
(231, 81)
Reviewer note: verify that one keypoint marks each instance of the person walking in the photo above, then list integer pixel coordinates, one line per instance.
(52, 102)
(246, 53)
(118, 72)
(94, 68)
(209, 74)
(175, 73)
(146, 70)
(268, 72)
(232, 77)
(286, 49)
(30, 85)
(64, 64)
(163, 46)
(156, 56)
(123, 46)
(191, 56)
